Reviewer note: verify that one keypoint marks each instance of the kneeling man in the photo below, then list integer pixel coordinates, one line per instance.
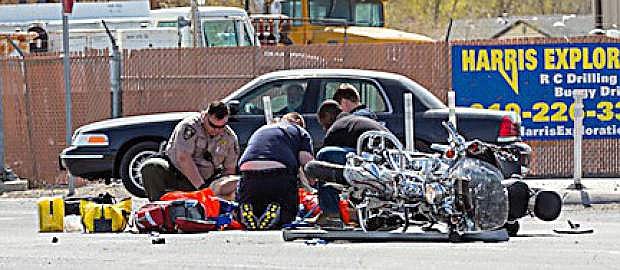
(269, 168)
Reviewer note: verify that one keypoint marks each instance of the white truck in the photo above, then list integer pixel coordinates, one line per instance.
(217, 26)
(132, 24)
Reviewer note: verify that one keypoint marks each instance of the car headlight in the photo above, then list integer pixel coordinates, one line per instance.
(90, 140)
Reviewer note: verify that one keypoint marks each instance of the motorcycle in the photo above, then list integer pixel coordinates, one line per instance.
(460, 188)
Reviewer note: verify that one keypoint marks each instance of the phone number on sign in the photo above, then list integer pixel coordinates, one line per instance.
(542, 112)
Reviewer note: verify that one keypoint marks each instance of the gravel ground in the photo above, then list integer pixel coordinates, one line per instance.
(91, 188)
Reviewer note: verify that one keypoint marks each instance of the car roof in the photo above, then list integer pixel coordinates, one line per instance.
(313, 73)
(208, 11)
(308, 73)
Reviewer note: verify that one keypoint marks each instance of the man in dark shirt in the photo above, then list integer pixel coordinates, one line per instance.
(269, 167)
(349, 100)
(343, 131)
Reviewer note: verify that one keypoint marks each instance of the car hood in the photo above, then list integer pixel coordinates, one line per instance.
(379, 33)
(133, 120)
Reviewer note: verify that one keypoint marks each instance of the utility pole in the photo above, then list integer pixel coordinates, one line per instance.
(195, 19)
(598, 14)
(115, 75)
(67, 8)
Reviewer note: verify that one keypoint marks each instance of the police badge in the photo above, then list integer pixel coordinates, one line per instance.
(188, 133)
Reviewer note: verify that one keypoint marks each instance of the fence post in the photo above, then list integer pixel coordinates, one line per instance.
(115, 83)
(409, 122)
(67, 76)
(578, 96)
(2, 168)
(452, 107)
(115, 75)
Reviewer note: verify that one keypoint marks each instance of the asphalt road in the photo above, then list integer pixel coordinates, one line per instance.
(538, 247)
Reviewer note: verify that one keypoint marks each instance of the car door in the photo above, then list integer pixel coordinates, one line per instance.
(371, 93)
(287, 95)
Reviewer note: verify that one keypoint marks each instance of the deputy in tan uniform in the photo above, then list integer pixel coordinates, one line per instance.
(200, 150)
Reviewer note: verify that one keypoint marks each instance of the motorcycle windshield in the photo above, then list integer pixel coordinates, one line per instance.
(489, 197)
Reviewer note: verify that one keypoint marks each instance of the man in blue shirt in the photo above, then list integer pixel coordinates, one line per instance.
(269, 167)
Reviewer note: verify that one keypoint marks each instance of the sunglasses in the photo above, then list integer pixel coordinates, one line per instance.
(214, 126)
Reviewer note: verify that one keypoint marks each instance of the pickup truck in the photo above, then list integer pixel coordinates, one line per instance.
(115, 148)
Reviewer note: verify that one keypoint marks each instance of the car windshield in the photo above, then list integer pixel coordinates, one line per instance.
(220, 33)
(353, 12)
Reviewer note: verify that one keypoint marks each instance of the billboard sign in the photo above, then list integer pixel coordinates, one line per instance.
(537, 82)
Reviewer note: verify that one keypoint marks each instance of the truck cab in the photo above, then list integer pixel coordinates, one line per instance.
(327, 21)
(218, 26)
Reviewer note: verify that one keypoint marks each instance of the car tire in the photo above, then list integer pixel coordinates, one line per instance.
(130, 164)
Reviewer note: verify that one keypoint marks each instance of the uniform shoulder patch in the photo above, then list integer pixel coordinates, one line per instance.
(188, 132)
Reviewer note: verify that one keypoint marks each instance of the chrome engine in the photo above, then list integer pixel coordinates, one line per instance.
(392, 187)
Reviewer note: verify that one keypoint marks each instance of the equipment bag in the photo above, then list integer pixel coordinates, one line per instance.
(215, 209)
(98, 218)
(51, 214)
(173, 216)
(72, 204)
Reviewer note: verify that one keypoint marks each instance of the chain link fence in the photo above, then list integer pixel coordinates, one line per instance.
(164, 80)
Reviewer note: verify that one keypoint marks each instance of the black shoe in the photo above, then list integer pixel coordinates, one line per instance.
(270, 218)
(248, 219)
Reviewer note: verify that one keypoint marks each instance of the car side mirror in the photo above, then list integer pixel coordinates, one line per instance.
(233, 107)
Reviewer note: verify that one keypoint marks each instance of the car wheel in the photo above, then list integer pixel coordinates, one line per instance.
(130, 166)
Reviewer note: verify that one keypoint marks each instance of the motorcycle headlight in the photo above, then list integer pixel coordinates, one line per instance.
(90, 140)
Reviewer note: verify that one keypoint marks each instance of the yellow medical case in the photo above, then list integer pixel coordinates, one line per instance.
(51, 214)
(105, 217)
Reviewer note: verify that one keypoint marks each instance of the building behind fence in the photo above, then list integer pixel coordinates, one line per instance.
(163, 80)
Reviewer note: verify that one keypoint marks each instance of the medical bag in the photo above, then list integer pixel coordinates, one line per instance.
(173, 216)
(98, 218)
(51, 214)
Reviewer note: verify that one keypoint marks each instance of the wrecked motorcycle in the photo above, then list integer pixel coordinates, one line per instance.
(458, 189)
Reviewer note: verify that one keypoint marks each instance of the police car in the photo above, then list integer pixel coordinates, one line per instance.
(116, 148)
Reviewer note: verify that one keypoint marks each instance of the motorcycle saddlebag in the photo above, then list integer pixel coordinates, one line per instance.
(51, 214)
(98, 218)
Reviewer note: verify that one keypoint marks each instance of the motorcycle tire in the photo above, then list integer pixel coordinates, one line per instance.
(325, 171)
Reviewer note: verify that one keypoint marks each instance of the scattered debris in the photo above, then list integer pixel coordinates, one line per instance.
(158, 240)
(315, 241)
(575, 228)
(54, 240)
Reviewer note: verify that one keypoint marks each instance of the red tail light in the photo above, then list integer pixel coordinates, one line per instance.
(450, 153)
(508, 128)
